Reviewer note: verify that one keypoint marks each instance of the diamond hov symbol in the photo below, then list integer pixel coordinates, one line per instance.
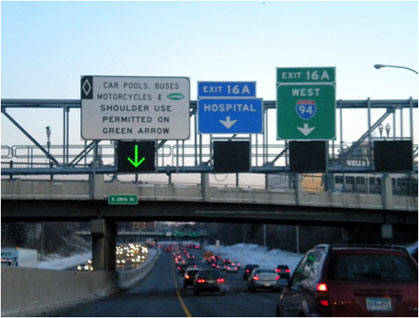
(87, 87)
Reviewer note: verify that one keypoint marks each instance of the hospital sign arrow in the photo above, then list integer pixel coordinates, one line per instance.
(227, 122)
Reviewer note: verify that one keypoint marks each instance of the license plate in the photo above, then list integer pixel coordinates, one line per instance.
(378, 304)
(267, 284)
(211, 281)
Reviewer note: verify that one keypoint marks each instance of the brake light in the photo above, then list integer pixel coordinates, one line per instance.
(288, 271)
(228, 267)
(256, 277)
(220, 280)
(322, 287)
(324, 303)
(277, 277)
(187, 276)
(247, 271)
(200, 280)
(178, 267)
(236, 268)
(278, 270)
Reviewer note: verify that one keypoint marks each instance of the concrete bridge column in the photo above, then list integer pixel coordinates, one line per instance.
(103, 244)
(387, 192)
(297, 188)
(204, 185)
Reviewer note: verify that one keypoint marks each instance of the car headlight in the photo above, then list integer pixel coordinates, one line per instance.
(79, 268)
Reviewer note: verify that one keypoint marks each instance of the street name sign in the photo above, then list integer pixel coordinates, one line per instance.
(230, 116)
(227, 89)
(306, 103)
(122, 199)
(135, 108)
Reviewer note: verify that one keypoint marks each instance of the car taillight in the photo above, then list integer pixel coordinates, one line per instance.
(277, 277)
(256, 277)
(200, 280)
(187, 276)
(322, 287)
(236, 268)
(278, 270)
(195, 266)
(324, 302)
(178, 268)
(247, 271)
(220, 280)
(288, 271)
(228, 267)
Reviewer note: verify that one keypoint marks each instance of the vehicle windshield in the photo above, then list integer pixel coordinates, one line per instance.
(364, 267)
(209, 274)
(265, 271)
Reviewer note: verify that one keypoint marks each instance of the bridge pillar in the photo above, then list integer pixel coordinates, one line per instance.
(97, 184)
(387, 192)
(204, 185)
(297, 188)
(103, 244)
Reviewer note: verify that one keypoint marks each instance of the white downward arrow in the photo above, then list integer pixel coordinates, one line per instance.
(228, 123)
(306, 130)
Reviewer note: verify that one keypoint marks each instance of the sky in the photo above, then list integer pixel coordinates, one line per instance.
(47, 46)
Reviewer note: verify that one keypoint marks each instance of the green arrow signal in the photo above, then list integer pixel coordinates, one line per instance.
(136, 163)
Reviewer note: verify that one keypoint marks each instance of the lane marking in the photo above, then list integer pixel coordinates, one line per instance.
(182, 304)
(185, 309)
(269, 301)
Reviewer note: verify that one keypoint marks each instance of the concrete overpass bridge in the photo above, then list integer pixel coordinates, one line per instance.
(61, 197)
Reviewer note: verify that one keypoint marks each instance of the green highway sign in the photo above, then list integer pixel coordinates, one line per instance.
(123, 199)
(306, 102)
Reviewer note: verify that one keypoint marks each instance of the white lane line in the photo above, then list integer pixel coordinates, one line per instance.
(269, 301)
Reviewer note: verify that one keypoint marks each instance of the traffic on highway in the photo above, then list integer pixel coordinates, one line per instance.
(329, 280)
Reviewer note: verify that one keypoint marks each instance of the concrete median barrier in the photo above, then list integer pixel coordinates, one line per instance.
(37, 292)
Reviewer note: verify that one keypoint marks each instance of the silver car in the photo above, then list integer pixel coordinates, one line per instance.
(262, 278)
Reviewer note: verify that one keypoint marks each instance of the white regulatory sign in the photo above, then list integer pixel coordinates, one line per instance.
(135, 108)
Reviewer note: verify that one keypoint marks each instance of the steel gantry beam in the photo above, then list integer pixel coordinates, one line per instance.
(200, 164)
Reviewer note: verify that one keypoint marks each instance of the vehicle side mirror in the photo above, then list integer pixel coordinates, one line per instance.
(282, 282)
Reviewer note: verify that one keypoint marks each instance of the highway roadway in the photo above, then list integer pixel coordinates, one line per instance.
(162, 294)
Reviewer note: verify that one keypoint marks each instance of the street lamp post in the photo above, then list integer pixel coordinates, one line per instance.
(378, 66)
(380, 129)
(388, 129)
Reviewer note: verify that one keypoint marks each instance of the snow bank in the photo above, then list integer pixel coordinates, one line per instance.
(255, 254)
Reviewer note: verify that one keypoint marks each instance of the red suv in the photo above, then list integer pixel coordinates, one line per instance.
(355, 280)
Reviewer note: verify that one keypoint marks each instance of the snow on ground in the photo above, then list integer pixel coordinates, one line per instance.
(243, 253)
(60, 263)
(255, 254)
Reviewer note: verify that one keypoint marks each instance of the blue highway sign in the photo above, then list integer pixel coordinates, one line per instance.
(226, 89)
(230, 116)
